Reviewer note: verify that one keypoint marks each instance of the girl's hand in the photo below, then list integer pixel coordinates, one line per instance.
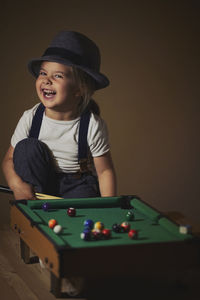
(24, 191)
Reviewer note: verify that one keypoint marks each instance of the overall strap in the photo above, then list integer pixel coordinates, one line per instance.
(82, 141)
(37, 121)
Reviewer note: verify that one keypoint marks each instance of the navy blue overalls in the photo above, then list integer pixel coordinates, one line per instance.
(33, 162)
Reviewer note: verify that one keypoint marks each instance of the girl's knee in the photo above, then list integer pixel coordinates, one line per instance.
(29, 148)
(26, 143)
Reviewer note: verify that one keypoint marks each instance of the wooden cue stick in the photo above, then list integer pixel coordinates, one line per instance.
(45, 196)
(6, 189)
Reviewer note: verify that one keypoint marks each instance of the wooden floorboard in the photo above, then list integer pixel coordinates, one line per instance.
(7, 292)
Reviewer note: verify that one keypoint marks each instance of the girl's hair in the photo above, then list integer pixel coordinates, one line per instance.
(87, 87)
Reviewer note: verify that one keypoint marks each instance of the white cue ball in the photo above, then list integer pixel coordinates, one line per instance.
(57, 229)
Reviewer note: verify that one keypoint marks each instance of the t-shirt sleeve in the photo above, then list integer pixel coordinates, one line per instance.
(23, 127)
(98, 139)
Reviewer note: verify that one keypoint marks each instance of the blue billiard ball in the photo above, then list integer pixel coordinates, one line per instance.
(88, 224)
(45, 206)
(86, 235)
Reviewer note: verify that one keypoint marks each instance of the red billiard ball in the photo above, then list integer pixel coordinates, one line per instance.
(106, 233)
(133, 234)
(71, 212)
(52, 223)
(125, 226)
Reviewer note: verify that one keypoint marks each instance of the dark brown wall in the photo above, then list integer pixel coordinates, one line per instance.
(150, 51)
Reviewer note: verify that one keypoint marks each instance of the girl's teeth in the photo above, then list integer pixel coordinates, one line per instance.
(48, 93)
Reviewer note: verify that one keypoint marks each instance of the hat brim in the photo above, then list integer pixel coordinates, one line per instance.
(101, 81)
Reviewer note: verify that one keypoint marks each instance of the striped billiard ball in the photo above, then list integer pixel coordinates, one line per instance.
(125, 226)
(86, 235)
(130, 216)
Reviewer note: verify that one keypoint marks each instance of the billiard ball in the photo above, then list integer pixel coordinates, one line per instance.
(71, 212)
(106, 233)
(86, 235)
(185, 229)
(52, 223)
(116, 228)
(99, 225)
(88, 223)
(57, 229)
(125, 226)
(45, 206)
(130, 216)
(87, 230)
(96, 234)
(133, 234)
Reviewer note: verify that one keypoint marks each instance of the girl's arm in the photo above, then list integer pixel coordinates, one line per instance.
(21, 189)
(106, 175)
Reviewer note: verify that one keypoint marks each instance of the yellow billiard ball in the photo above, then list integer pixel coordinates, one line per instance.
(99, 225)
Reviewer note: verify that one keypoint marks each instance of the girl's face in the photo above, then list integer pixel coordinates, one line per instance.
(56, 88)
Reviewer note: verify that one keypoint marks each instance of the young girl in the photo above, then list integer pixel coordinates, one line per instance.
(61, 146)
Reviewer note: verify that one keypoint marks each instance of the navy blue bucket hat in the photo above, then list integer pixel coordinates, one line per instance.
(73, 49)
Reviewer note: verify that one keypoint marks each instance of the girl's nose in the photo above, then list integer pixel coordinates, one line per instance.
(47, 80)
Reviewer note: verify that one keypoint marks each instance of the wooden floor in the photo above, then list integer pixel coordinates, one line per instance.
(19, 281)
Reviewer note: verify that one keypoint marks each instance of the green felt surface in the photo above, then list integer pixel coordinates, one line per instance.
(151, 226)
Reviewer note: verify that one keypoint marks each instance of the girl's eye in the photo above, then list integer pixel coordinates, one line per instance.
(42, 73)
(58, 76)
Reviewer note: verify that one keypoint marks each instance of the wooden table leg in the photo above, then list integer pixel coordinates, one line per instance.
(55, 285)
(24, 251)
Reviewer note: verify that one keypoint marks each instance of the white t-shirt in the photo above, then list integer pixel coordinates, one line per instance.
(62, 138)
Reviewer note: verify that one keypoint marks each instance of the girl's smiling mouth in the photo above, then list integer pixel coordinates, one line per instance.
(48, 93)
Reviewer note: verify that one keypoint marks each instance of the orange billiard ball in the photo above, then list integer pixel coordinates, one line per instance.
(52, 223)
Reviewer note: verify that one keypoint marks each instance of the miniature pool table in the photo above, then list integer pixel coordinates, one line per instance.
(159, 244)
